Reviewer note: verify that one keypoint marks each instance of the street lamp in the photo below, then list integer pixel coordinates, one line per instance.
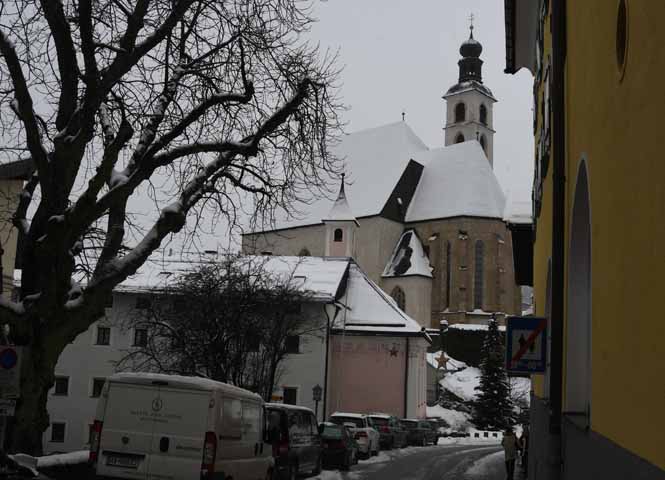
(317, 391)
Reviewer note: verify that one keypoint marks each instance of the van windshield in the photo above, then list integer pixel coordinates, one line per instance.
(358, 422)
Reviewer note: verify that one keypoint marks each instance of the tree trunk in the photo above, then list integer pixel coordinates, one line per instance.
(31, 420)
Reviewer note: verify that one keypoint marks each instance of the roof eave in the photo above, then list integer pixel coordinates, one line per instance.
(521, 21)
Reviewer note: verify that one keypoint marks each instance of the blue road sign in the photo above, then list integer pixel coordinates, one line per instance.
(526, 344)
(8, 358)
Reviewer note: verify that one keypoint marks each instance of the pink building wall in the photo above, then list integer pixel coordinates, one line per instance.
(367, 374)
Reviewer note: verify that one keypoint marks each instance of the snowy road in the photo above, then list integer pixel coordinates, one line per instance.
(442, 462)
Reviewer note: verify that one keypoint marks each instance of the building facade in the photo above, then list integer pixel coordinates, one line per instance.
(599, 199)
(432, 231)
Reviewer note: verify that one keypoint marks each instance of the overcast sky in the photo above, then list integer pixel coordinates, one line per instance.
(402, 55)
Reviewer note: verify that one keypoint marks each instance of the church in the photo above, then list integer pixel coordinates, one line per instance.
(425, 224)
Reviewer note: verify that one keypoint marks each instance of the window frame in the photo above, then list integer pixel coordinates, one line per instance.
(92, 386)
(460, 112)
(97, 337)
(134, 342)
(289, 350)
(482, 114)
(338, 238)
(459, 138)
(290, 388)
(479, 275)
(55, 386)
(399, 295)
(64, 431)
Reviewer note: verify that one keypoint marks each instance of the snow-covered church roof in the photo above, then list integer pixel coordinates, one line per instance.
(408, 258)
(457, 181)
(374, 160)
(340, 211)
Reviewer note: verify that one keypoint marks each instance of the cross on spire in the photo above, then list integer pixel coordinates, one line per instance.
(471, 17)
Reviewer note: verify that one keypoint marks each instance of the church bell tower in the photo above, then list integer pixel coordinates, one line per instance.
(469, 103)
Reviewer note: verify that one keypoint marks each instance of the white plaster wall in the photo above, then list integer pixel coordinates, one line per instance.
(473, 99)
(307, 369)
(417, 383)
(82, 361)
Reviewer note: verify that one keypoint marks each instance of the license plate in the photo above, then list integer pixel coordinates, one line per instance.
(122, 461)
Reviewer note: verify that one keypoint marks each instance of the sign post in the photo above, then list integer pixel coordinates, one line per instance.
(526, 345)
(317, 393)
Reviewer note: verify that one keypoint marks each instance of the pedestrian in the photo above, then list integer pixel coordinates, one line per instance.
(524, 443)
(510, 445)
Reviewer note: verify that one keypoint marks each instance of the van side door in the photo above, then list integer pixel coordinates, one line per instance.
(252, 438)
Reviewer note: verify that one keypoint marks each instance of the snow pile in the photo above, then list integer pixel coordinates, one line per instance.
(473, 327)
(487, 465)
(462, 383)
(458, 421)
(63, 459)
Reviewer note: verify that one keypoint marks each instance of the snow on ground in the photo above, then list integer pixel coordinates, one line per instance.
(486, 465)
(71, 458)
(462, 383)
(458, 421)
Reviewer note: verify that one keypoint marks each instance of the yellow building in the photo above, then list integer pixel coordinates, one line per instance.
(12, 177)
(599, 230)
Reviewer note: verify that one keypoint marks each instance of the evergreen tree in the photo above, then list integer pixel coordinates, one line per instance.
(493, 408)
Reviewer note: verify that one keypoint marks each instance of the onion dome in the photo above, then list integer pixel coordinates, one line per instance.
(471, 48)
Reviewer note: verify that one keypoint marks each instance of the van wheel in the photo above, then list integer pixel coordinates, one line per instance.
(293, 471)
(319, 466)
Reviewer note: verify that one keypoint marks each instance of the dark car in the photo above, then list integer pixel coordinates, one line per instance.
(391, 432)
(419, 432)
(294, 436)
(340, 449)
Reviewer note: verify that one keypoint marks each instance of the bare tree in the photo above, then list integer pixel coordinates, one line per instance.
(207, 107)
(229, 321)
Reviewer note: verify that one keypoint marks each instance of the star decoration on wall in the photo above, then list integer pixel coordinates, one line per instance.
(442, 360)
(393, 351)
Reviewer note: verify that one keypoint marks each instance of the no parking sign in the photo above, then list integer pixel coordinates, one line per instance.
(10, 369)
(526, 344)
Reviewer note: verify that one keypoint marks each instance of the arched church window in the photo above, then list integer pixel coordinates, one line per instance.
(478, 280)
(483, 143)
(400, 299)
(304, 252)
(338, 235)
(460, 112)
(448, 273)
(459, 138)
(483, 114)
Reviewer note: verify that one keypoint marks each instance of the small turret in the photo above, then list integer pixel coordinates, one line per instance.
(341, 227)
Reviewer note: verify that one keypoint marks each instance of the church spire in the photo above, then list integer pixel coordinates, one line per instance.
(341, 211)
(470, 65)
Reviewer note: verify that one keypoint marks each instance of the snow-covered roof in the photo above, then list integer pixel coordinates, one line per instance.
(374, 160)
(350, 415)
(287, 406)
(473, 326)
(180, 381)
(408, 258)
(458, 180)
(370, 309)
(518, 209)
(319, 277)
(341, 211)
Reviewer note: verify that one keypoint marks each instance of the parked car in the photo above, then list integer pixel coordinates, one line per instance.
(364, 433)
(168, 426)
(391, 432)
(296, 443)
(420, 432)
(340, 448)
(437, 428)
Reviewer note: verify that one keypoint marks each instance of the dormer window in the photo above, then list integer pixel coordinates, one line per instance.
(338, 235)
(460, 112)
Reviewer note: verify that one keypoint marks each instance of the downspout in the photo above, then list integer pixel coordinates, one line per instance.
(325, 372)
(406, 379)
(558, 210)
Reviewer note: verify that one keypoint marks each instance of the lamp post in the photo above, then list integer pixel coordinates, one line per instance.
(317, 392)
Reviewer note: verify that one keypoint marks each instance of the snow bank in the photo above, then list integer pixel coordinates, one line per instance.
(62, 459)
(458, 421)
(487, 465)
(462, 383)
(473, 327)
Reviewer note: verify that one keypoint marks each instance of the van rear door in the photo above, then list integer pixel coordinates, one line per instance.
(180, 425)
(127, 431)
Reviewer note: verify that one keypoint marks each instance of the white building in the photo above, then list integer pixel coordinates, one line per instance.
(363, 351)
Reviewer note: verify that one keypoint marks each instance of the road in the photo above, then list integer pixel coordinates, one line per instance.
(442, 462)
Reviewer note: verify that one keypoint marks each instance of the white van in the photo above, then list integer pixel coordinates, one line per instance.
(152, 426)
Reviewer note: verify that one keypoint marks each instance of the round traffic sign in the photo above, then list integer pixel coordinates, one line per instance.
(8, 358)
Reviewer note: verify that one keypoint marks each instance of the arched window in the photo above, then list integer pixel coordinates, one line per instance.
(448, 273)
(483, 143)
(483, 114)
(304, 252)
(400, 299)
(578, 325)
(460, 112)
(459, 138)
(338, 235)
(478, 280)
